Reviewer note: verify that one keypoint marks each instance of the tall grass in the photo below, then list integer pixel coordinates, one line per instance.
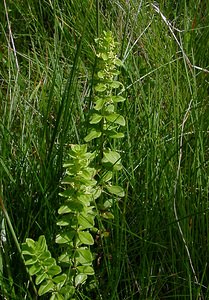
(158, 246)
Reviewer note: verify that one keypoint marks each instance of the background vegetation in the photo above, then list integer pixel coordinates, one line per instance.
(158, 246)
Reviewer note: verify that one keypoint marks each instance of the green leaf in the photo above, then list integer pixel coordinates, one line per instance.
(46, 287)
(54, 270)
(26, 250)
(118, 62)
(68, 291)
(31, 261)
(112, 157)
(93, 134)
(34, 269)
(117, 99)
(71, 206)
(41, 244)
(49, 262)
(115, 84)
(41, 278)
(88, 270)
(44, 255)
(101, 74)
(95, 119)
(65, 237)
(100, 87)
(104, 56)
(67, 193)
(57, 296)
(118, 135)
(31, 243)
(96, 193)
(116, 119)
(110, 108)
(60, 279)
(64, 259)
(80, 279)
(107, 215)
(83, 256)
(85, 220)
(108, 204)
(116, 190)
(85, 237)
(100, 102)
(107, 176)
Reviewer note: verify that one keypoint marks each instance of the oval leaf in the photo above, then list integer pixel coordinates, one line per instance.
(95, 119)
(116, 119)
(100, 87)
(93, 134)
(117, 99)
(80, 278)
(88, 270)
(46, 287)
(85, 237)
(116, 190)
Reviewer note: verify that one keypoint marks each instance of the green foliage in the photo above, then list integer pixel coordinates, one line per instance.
(77, 214)
(105, 120)
(40, 263)
(79, 209)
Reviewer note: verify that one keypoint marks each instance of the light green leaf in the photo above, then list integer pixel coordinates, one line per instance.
(34, 269)
(116, 118)
(31, 243)
(96, 193)
(71, 206)
(64, 221)
(88, 270)
(118, 62)
(111, 156)
(68, 291)
(26, 250)
(100, 102)
(101, 74)
(80, 279)
(118, 99)
(44, 255)
(115, 84)
(83, 256)
(116, 190)
(107, 204)
(107, 215)
(85, 237)
(95, 119)
(85, 221)
(60, 279)
(54, 270)
(31, 261)
(57, 296)
(67, 193)
(64, 258)
(41, 244)
(100, 87)
(49, 262)
(65, 237)
(107, 176)
(104, 56)
(110, 108)
(93, 134)
(41, 278)
(46, 287)
(118, 135)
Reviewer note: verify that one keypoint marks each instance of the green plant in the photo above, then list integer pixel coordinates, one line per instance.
(89, 189)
